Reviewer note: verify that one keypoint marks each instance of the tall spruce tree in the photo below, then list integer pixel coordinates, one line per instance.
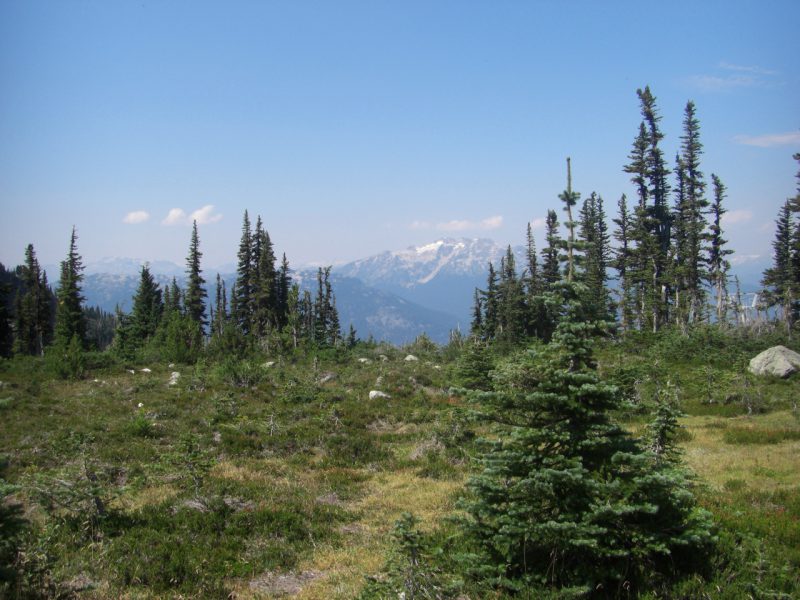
(6, 330)
(242, 300)
(70, 320)
(623, 263)
(195, 297)
(718, 265)
(595, 244)
(33, 322)
(551, 272)
(694, 213)
(570, 199)
(148, 308)
(265, 297)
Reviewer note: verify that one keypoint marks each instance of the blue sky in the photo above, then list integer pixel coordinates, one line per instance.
(356, 127)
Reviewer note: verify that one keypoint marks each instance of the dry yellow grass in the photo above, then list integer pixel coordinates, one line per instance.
(766, 467)
(364, 546)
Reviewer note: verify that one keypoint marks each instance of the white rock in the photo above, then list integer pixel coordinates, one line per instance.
(437, 367)
(269, 364)
(778, 361)
(173, 378)
(145, 370)
(375, 394)
(131, 371)
(171, 366)
(411, 358)
(364, 361)
(383, 357)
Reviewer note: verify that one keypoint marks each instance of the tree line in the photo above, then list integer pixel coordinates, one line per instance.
(265, 309)
(669, 256)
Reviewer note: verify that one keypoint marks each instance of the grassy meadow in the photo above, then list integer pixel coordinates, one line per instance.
(243, 480)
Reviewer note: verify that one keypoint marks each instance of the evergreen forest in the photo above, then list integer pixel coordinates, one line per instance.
(596, 434)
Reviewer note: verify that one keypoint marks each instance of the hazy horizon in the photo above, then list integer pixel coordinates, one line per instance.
(358, 128)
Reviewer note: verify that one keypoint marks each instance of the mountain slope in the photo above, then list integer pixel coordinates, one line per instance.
(442, 275)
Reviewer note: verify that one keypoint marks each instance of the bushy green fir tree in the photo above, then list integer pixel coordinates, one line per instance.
(567, 499)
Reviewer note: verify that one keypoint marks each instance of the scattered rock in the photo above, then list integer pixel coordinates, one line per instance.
(351, 528)
(171, 366)
(326, 377)
(411, 358)
(379, 380)
(131, 371)
(276, 585)
(173, 378)
(217, 437)
(364, 361)
(238, 504)
(383, 357)
(145, 370)
(437, 367)
(194, 504)
(269, 364)
(331, 499)
(778, 361)
(79, 584)
(375, 394)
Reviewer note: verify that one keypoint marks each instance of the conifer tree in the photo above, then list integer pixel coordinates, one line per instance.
(623, 263)
(491, 316)
(264, 291)
(147, 308)
(550, 266)
(570, 199)
(283, 289)
(694, 217)
(595, 244)
(476, 327)
(242, 300)
(6, 331)
(70, 320)
(195, 298)
(567, 499)
(718, 264)
(510, 300)
(33, 323)
(778, 278)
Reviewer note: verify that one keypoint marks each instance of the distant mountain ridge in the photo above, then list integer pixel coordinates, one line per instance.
(441, 275)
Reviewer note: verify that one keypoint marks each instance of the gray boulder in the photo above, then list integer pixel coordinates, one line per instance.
(778, 361)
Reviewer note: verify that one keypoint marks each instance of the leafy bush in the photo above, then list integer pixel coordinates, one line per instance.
(67, 361)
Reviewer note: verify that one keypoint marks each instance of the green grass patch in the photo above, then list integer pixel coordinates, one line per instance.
(758, 435)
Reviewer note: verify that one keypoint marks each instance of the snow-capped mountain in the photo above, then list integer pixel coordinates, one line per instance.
(441, 275)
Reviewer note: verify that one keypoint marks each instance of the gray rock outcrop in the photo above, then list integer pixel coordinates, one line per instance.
(778, 361)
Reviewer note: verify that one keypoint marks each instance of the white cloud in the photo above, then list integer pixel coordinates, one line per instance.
(420, 225)
(136, 217)
(737, 216)
(492, 222)
(746, 68)
(455, 226)
(714, 83)
(538, 223)
(488, 223)
(176, 216)
(769, 140)
(732, 76)
(741, 259)
(766, 227)
(203, 216)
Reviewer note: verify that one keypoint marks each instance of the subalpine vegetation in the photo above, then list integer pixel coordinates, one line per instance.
(585, 440)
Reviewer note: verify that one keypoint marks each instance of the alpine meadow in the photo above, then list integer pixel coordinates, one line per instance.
(607, 410)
